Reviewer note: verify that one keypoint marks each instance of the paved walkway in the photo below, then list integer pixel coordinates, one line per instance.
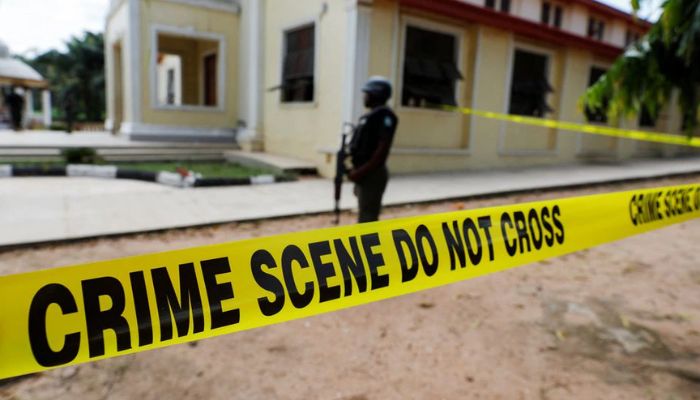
(61, 140)
(48, 209)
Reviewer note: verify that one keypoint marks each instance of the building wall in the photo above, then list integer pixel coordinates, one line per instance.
(199, 20)
(429, 140)
(300, 129)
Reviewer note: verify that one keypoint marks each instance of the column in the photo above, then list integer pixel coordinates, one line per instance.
(359, 18)
(28, 107)
(249, 135)
(46, 107)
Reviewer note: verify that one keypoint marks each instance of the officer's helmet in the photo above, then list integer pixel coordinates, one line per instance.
(379, 88)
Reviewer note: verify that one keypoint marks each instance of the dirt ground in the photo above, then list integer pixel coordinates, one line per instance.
(620, 321)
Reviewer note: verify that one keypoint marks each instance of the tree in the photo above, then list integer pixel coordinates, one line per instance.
(77, 73)
(664, 61)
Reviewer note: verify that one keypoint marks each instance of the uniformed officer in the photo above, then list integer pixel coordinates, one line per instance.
(370, 147)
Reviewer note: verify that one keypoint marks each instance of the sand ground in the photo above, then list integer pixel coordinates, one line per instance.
(620, 321)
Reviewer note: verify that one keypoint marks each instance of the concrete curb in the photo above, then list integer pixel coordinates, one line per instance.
(113, 172)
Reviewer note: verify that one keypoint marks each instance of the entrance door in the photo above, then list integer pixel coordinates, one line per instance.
(210, 80)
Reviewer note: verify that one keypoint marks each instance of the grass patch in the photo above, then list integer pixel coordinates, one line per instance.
(208, 169)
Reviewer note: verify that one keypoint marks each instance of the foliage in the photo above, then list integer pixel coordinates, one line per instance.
(81, 155)
(76, 77)
(664, 62)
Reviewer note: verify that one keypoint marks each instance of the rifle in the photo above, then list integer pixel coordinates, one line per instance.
(340, 169)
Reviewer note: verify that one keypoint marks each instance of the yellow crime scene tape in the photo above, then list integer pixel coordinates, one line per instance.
(646, 136)
(64, 316)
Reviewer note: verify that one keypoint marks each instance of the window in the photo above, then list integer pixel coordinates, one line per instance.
(503, 5)
(596, 28)
(631, 37)
(552, 14)
(429, 71)
(184, 71)
(298, 65)
(599, 116)
(529, 86)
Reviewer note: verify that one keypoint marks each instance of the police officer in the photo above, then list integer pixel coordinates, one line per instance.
(370, 147)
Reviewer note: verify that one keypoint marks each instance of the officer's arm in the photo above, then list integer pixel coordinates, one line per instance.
(378, 159)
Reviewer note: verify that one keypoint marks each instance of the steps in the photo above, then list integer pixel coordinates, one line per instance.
(48, 146)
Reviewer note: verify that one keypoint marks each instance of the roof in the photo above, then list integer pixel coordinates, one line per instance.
(15, 72)
(476, 14)
(610, 11)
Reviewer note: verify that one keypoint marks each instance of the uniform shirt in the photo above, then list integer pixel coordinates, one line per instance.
(375, 126)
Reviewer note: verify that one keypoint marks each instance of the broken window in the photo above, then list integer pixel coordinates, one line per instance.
(298, 65)
(529, 85)
(430, 70)
(185, 73)
(598, 115)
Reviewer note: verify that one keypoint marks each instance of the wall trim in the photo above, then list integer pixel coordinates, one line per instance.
(210, 4)
(475, 84)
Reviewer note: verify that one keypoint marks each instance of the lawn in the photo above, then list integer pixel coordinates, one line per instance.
(208, 169)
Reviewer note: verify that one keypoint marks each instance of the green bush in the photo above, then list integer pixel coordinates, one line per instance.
(81, 155)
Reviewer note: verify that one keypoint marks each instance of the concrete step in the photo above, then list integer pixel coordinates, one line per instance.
(273, 161)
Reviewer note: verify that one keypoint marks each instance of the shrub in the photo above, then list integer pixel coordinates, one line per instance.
(81, 155)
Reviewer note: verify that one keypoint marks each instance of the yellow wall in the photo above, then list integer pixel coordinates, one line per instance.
(155, 12)
(300, 129)
(427, 140)
(434, 141)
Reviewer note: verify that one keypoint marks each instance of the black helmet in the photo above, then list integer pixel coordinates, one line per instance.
(379, 88)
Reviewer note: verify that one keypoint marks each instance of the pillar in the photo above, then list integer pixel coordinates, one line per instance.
(28, 107)
(250, 132)
(46, 107)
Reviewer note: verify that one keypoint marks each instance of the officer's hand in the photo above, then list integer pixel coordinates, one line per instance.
(353, 175)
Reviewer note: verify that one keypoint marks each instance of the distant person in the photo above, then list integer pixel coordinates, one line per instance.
(370, 147)
(69, 108)
(15, 102)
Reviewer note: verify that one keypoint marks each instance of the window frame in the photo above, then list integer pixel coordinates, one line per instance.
(222, 65)
(552, 14)
(606, 69)
(297, 25)
(429, 25)
(547, 53)
(602, 25)
(550, 55)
